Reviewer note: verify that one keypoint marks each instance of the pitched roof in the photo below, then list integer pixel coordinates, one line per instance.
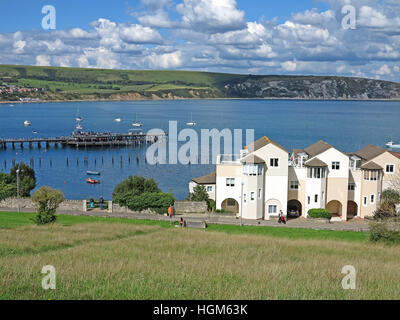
(207, 179)
(315, 163)
(370, 152)
(262, 142)
(317, 148)
(371, 166)
(252, 159)
(396, 154)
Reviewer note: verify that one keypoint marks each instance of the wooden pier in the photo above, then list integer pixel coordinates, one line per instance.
(87, 139)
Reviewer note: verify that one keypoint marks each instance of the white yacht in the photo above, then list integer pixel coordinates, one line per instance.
(27, 123)
(137, 124)
(118, 120)
(391, 144)
(191, 123)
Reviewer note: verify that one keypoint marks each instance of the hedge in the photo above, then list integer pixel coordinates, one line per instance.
(319, 214)
(156, 201)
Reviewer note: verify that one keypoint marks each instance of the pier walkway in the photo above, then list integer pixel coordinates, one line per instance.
(87, 139)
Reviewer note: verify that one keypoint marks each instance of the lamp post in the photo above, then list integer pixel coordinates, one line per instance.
(241, 205)
(18, 171)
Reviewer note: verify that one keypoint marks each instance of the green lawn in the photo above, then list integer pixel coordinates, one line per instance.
(15, 219)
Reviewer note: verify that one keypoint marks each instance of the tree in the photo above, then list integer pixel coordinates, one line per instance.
(47, 201)
(133, 186)
(27, 179)
(200, 194)
(7, 190)
(389, 199)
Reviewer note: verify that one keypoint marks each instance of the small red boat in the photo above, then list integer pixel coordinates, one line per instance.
(92, 181)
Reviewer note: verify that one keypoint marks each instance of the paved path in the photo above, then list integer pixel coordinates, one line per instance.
(354, 225)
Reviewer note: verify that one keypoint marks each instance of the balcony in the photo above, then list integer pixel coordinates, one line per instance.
(228, 159)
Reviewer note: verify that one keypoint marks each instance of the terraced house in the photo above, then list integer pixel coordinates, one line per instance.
(265, 179)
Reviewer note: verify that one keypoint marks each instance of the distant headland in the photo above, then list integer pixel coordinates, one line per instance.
(44, 84)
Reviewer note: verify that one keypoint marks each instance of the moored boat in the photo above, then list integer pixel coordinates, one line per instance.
(95, 173)
(92, 181)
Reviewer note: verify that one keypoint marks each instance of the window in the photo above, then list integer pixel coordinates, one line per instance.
(365, 201)
(272, 209)
(244, 198)
(352, 186)
(209, 188)
(230, 182)
(316, 198)
(308, 200)
(389, 168)
(335, 165)
(252, 170)
(259, 193)
(274, 162)
(252, 195)
(316, 173)
(231, 203)
(372, 198)
(372, 175)
(294, 185)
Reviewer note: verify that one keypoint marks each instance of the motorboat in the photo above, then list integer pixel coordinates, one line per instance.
(392, 145)
(95, 173)
(27, 123)
(137, 124)
(118, 120)
(92, 181)
(34, 132)
(191, 123)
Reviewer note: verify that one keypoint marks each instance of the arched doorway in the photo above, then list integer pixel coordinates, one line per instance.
(352, 209)
(335, 207)
(230, 205)
(294, 209)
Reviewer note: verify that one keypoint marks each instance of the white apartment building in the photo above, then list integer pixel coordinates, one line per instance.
(264, 180)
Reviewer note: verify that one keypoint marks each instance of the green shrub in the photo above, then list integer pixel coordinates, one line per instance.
(157, 202)
(319, 214)
(46, 201)
(385, 232)
(131, 187)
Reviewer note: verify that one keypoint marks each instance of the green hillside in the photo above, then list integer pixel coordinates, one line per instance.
(75, 83)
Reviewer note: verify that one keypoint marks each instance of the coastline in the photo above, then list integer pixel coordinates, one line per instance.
(178, 99)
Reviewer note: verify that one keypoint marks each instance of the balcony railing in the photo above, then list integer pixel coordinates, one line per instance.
(228, 159)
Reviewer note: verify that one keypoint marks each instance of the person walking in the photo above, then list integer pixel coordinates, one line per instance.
(281, 218)
(91, 203)
(101, 203)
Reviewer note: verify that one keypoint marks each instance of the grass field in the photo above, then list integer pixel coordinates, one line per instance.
(99, 258)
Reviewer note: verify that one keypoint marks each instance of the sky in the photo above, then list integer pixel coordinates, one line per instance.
(313, 37)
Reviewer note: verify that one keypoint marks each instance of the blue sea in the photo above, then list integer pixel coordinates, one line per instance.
(347, 125)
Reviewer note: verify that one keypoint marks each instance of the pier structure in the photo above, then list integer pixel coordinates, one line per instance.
(87, 139)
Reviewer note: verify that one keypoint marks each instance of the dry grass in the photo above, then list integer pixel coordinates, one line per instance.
(121, 261)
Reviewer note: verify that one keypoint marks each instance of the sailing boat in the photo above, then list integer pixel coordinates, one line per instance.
(191, 123)
(78, 118)
(137, 123)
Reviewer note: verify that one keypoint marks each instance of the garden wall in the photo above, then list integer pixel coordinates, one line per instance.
(27, 204)
(190, 206)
